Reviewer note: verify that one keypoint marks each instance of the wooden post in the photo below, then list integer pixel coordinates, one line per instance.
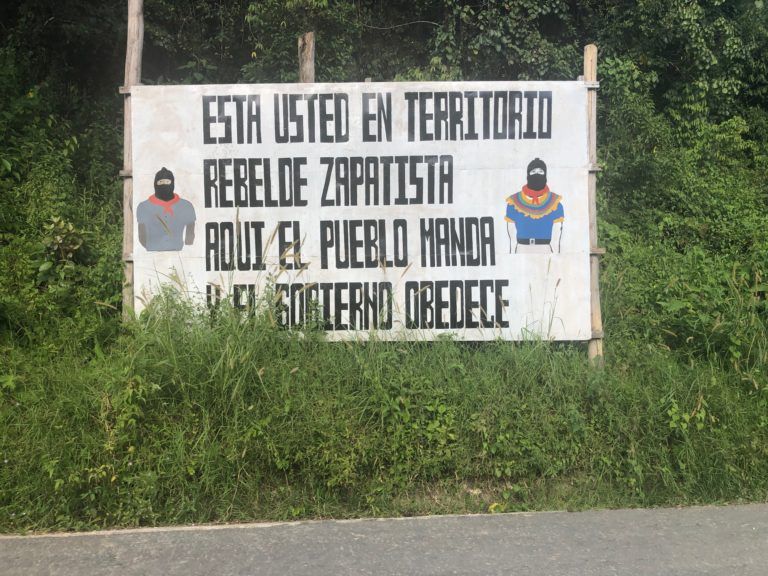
(307, 57)
(590, 77)
(134, 45)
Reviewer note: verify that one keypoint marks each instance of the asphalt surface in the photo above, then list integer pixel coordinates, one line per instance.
(727, 541)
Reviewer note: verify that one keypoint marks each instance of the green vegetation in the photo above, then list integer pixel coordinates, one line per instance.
(188, 419)
(185, 417)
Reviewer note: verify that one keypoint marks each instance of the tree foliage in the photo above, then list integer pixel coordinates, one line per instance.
(682, 128)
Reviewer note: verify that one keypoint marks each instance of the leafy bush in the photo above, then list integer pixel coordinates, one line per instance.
(59, 234)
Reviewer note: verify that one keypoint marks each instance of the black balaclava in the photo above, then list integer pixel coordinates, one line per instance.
(164, 184)
(536, 179)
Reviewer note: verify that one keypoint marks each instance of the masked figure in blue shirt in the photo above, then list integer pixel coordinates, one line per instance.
(166, 221)
(535, 214)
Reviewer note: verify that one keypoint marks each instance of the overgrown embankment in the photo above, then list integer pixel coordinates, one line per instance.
(186, 419)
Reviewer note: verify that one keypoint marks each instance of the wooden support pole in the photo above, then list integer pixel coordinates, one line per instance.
(590, 77)
(134, 45)
(307, 57)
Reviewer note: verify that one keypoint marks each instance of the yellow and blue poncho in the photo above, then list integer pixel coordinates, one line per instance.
(534, 213)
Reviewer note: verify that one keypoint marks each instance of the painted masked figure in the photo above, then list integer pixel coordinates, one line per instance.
(166, 221)
(535, 214)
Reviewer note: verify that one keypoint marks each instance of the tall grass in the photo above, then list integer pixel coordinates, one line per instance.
(188, 418)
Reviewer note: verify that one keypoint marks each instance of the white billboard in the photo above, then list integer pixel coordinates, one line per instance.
(405, 209)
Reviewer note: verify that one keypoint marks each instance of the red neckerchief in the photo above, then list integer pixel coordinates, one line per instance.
(166, 204)
(535, 195)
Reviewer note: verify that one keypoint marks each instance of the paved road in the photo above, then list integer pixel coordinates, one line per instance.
(726, 541)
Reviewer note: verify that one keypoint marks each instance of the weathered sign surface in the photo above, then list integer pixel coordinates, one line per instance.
(408, 209)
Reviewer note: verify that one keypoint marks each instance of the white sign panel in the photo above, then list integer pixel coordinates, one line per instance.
(405, 209)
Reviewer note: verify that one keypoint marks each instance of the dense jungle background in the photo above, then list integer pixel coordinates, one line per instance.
(182, 416)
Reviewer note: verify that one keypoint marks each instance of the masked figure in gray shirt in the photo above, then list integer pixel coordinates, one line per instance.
(166, 221)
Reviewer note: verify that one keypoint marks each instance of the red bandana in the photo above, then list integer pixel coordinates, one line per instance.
(535, 195)
(166, 204)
